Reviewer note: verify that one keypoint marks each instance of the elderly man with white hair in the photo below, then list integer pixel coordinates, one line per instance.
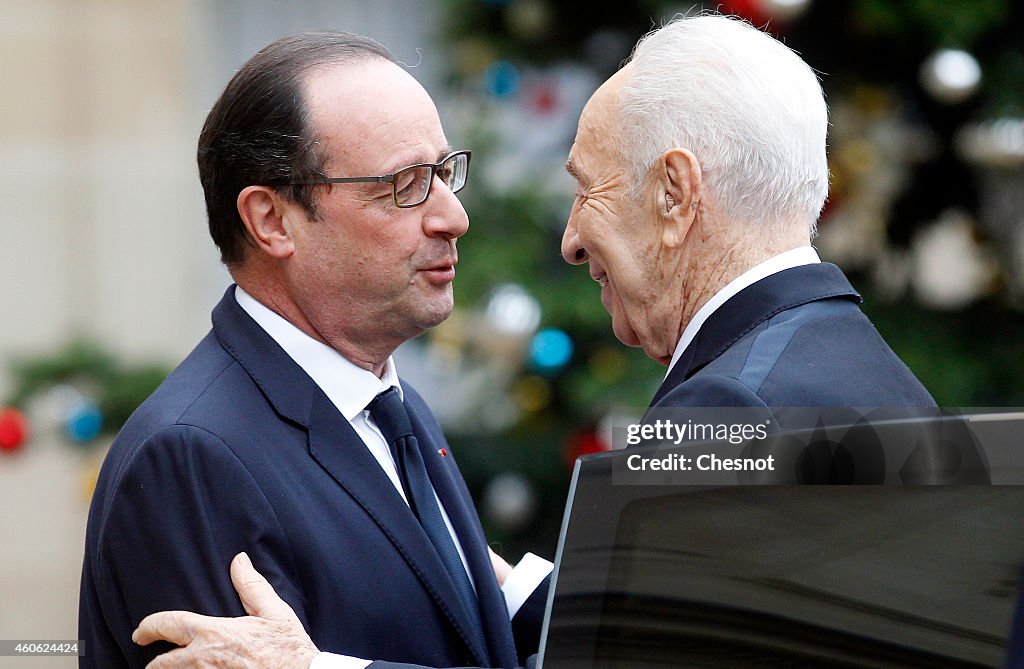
(701, 172)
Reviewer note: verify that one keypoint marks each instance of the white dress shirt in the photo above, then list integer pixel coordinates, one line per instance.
(804, 255)
(350, 388)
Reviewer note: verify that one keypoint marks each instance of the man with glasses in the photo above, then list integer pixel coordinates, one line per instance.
(287, 432)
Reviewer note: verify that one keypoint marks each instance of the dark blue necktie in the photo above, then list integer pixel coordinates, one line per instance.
(389, 413)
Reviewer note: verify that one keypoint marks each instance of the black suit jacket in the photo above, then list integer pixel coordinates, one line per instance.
(240, 450)
(796, 338)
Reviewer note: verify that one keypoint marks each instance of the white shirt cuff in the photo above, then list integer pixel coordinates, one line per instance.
(332, 661)
(521, 582)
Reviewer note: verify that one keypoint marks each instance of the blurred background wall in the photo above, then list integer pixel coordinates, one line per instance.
(108, 274)
(106, 261)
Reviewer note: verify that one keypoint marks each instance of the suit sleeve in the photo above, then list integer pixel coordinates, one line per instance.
(526, 625)
(178, 511)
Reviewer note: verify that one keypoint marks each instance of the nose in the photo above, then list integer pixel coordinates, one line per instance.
(445, 216)
(572, 251)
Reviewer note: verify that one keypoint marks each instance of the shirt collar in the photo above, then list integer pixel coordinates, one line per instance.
(349, 387)
(804, 255)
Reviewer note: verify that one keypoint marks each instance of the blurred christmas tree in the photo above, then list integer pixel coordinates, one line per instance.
(926, 210)
(81, 390)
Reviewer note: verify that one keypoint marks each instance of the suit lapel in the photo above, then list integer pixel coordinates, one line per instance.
(282, 381)
(752, 306)
(339, 450)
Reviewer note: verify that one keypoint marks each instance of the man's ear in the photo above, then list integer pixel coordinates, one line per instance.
(680, 186)
(263, 210)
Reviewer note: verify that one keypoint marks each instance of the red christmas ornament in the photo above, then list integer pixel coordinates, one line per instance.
(773, 16)
(830, 206)
(13, 430)
(580, 443)
(751, 10)
(544, 99)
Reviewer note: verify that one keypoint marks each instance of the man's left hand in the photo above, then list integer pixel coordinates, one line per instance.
(270, 637)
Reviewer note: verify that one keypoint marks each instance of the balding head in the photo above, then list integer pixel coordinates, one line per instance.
(256, 133)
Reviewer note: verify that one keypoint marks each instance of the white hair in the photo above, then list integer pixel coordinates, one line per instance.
(748, 107)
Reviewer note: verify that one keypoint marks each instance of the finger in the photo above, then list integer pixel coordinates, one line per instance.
(501, 568)
(257, 595)
(178, 627)
(179, 658)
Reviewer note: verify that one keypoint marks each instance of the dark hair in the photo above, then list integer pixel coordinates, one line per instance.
(257, 132)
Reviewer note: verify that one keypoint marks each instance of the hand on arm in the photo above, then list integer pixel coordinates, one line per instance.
(270, 637)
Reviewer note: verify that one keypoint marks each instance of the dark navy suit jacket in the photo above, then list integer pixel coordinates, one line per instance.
(240, 450)
(796, 338)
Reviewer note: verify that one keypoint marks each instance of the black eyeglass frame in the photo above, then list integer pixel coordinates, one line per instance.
(390, 178)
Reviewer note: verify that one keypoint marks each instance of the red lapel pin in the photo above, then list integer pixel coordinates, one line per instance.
(443, 452)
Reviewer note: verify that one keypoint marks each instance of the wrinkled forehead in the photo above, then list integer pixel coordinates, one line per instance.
(598, 128)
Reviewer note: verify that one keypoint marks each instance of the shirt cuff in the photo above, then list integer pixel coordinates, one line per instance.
(332, 661)
(521, 582)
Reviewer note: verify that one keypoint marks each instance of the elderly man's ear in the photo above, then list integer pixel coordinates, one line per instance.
(679, 187)
(265, 215)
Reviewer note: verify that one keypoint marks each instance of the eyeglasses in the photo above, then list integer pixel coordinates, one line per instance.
(410, 186)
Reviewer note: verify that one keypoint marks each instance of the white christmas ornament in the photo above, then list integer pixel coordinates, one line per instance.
(513, 311)
(510, 500)
(785, 10)
(950, 270)
(951, 75)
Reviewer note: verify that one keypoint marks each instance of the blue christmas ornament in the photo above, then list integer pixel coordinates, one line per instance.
(550, 350)
(501, 79)
(84, 422)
